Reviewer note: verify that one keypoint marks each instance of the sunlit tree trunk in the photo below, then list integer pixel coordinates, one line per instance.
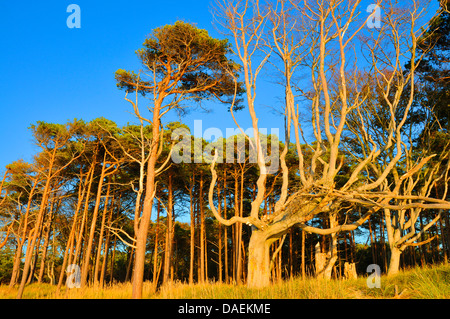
(107, 243)
(202, 231)
(155, 253)
(39, 218)
(21, 241)
(48, 227)
(169, 233)
(192, 229)
(100, 238)
(225, 229)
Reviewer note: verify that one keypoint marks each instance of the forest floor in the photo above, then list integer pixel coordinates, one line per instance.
(431, 282)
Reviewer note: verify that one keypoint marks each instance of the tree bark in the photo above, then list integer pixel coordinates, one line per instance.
(100, 238)
(169, 234)
(155, 250)
(202, 232)
(225, 228)
(70, 244)
(394, 261)
(21, 241)
(107, 243)
(46, 242)
(141, 236)
(192, 228)
(87, 256)
(303, 254)
(258, 260)
(39, 218)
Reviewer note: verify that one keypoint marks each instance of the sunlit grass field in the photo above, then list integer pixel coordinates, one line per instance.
(422, 283)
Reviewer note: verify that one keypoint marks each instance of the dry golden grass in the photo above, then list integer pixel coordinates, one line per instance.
(428, 282)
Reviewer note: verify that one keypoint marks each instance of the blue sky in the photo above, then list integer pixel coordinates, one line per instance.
(52, 73)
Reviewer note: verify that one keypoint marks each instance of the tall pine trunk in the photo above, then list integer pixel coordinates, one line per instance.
(32, 243)
(87, 255)
(169, 234)
(192, 228)
(144, 222)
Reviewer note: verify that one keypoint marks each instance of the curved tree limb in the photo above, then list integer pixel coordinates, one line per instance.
(235, 219)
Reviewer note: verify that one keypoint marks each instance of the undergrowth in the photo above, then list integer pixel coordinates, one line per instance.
(431, 282)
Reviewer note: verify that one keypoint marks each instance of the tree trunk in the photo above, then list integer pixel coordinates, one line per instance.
(22, 240)
(202, 233)
(32, 242)
(350, 271)
(87, 256)
(100, 238)
(107, 242)
(169, 234)
(394, 263)
(192, 227)
(303, 254)
(320, 260)
(291, 255)
(46, 242)
(219, 206)
(258, 261)
(70, 244)
(225, 228)
(141, 236)
(155, 250)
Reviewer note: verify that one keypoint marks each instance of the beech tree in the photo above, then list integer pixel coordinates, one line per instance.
(335, 32)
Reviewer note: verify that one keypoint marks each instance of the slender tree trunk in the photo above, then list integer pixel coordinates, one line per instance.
(372, 248)
(21, 242)
(100, 237)
(169, 234)
(192, 228)
(87, 256)
(202, 232)
(69, 252)
(46, 242)
(447, 233)
(129, 263)
(107, 242)
(219, 206)
(444, 242)
(226, 228)
(239, 269)
(39, 218)
(237, 243)
(383, 243)
(155, 254)
(141, 236)
(78, 248)
(16, 265)
(113, 257)
(303, 255)
(291, 255)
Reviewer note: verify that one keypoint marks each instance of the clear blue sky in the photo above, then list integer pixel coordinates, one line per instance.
(54, 74)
